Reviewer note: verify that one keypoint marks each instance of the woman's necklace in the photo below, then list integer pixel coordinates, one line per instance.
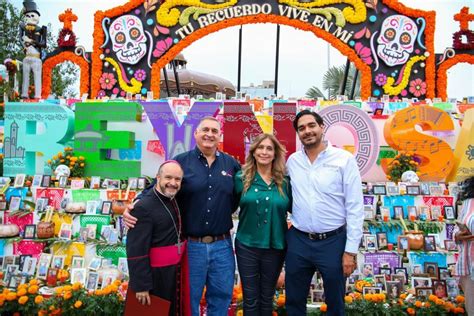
(177, 228)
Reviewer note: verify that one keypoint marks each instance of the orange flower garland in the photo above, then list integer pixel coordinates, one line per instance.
(51, 62)
(366, 73)
(442, 83)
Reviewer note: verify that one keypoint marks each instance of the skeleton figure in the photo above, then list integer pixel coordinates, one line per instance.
(396, 40)
(34, 39)
(128, 39)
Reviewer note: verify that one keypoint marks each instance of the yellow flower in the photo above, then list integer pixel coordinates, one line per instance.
(61, 161)
(76, 286)
(77, 304)
(67, 295)
(11, 296)
(60, 154)
(39, 299)
(22, 300)
(55, 157)
(348, 299)
(82, 165)
(81, 158)
(33, 289)
(49, 161)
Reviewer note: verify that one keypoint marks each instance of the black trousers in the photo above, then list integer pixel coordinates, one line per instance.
(304, 256)
(259, 270)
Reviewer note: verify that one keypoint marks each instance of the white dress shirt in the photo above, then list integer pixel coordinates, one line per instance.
(327, 194)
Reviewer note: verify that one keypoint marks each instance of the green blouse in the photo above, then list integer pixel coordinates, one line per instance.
(263, 210)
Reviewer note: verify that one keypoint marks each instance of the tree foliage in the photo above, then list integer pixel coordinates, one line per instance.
(332, 83)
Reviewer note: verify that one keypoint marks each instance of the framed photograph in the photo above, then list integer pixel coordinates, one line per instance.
(65, 232)
(133, 183)
(436, 190)
(113, 237)
(92, 281)
(403, 243)
(37, 179)
(106, 263)
(431, 268)
(379, 189)
(424, 211)
(452, 287)
(141, 184)
(435, 212)
(423, 293)
(107, 279)
(92, 231)
(403, 272)
(398, 278)
(317, 296)
(15, 202)
(412, 214)
(113, 184)
(371, 290)
(368, 212)
(443, 273)
(77, 184)
(106, 208)
(29, 266)
(83, 234)
(385, 271)
(58, 262)
(43, 265)
(394, 289)
(368, 270)
(91, 207)
(3, 205)
(46, 181)
(420, 282)
(78, 275)
(29, 232)
(77, 262)
(413, 190)
(398, 212)
(382, 240)
(106, 231)
(62, 182)
(430, 244)
(19, 180)
(22, 261)
(95, 183)
(8, 260)
(449, 212)
(393, 189)
(94, 264)
(450, 245)
(379, 280)
(424, 188)
(416, 269)
(385, 212)
(123, 266)
(41, 204)
(370, 242)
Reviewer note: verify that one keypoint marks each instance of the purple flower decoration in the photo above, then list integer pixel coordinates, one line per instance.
(140, 75)
(381, 79)
(101, 94)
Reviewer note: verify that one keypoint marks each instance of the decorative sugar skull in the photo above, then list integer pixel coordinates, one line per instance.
(62, 170)
(410, 177)
(396, 39)
(128, 39)
(31, 18)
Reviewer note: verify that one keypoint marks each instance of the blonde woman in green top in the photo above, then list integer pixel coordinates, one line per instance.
(265, 199)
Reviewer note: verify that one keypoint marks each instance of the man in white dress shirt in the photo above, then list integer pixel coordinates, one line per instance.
(327, 217)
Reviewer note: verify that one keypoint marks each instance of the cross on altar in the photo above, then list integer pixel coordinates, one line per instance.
(464, 17)
(67, 18)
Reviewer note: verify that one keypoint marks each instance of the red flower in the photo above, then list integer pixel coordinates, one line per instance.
(107, 81)
(417, 87)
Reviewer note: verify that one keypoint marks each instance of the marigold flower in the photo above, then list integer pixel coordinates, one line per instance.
(22, 300)
(77, 304)
(403, 296)
(427, 304)
(67, 295)
(76, 286)
(459, 299)
(33, 289)
(348, 299)
(418, 304)
(11, 296)
(2, 302)
(410, 311)
(39, 299)
(433, 298)
(459, 310)
(82, 165)
(324, 308)
(439, 302)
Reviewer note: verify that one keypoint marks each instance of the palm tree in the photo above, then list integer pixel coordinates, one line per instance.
(332, 82)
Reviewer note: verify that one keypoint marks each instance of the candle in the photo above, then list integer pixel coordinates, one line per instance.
(412, 218)
(440, 218)
(390, 246)
(385, 218)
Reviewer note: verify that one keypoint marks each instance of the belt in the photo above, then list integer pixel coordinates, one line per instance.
(209, 239)
(322, 236)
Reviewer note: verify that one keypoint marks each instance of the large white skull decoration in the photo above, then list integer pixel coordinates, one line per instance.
(31, 18)
(396, 39)
(128, 39)
(62, 170)
(410, 177)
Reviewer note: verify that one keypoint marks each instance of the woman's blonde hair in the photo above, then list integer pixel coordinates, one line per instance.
(278, 165)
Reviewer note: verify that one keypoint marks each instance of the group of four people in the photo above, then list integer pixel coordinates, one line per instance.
(320, 186)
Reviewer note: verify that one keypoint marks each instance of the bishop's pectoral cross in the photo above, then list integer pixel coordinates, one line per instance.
(179, 244)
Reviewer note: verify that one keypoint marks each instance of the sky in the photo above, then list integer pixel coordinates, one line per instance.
(304, 58)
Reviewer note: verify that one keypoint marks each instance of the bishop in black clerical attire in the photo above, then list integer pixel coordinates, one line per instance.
(155, 246)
